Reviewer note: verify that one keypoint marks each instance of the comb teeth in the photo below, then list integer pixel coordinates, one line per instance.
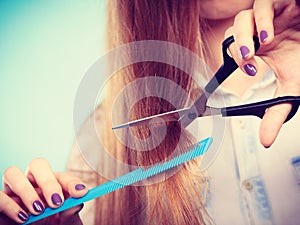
(127, 179)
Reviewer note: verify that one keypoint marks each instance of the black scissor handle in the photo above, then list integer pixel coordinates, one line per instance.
(228, 67)
(259, 108)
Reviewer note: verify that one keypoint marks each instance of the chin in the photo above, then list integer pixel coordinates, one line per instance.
(223, 9)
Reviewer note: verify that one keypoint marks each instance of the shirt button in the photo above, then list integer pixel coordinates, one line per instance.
(247, 185)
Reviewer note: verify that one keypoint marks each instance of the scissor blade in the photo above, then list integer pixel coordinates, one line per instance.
(196, 110)
(170, 117)
(211, 111)
(165, 117)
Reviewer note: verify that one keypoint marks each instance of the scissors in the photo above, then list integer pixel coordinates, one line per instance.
(199, 108)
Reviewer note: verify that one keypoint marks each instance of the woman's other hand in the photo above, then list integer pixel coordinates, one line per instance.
(38, 188)
(277, 24)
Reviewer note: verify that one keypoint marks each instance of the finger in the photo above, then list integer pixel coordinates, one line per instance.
(5, 220)
(71, 216)
(275, 116)
(248, 66)
(272, 123)
(264, 16)
(232, 48)
(40, 170)
(72, 185)
(286, 15)
(15, 198)
(243, 30)
(11, 209)
(17, 182)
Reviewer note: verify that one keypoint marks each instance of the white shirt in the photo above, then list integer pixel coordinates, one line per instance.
(249, 184)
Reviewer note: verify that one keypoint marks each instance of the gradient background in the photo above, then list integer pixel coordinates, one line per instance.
(45, 49)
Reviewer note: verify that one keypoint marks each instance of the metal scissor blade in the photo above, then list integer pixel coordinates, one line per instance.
(196, 110)
(171, 116)
(211, 111)
(229, 65)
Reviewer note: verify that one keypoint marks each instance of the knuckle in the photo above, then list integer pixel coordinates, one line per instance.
(238, 37)
(239, 16)
(37, 162)
(51, 184)
(68, 181)
(67, 177)
(6, 203)
(260, 19)
(228, 32)
(61, 175)
(11, 171)
(244, 14)
(2, 194)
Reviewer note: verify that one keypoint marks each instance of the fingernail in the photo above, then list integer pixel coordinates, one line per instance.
(22, 216)
(250, 69)
(263, 36)
(244, 51)
(56, 199)
(79, 187)
(38, 206)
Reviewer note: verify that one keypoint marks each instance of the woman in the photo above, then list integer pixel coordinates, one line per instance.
(199, 26)
(246, 182)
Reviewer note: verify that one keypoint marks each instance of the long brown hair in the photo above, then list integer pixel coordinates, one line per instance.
(177, 198)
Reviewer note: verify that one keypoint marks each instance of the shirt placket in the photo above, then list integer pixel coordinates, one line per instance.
(254, 202)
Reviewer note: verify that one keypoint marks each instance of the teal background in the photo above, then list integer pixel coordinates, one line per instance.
(45, 49)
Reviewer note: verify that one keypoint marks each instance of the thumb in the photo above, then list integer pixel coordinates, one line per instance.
(71, 216)
(272, 122)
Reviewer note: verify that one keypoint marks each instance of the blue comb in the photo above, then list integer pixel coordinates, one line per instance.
(125, 180)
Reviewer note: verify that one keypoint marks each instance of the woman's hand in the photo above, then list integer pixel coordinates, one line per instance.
(277, 24)
(39, 188)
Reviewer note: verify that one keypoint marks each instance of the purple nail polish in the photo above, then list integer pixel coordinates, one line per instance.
(79, 187)
(250, 69)
(263, 36)
(244, 51)
(56, 199)
(38, 206)
(22, 216)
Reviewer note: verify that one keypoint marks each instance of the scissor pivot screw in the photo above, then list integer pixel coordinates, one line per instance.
(192, 115)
